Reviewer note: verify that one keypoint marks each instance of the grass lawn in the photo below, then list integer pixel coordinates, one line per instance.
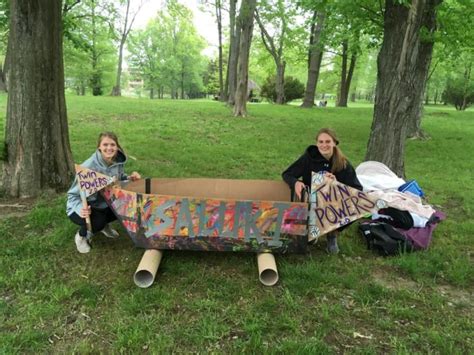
(53, 299)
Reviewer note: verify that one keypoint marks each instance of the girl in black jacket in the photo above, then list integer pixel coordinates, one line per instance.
(324, 156)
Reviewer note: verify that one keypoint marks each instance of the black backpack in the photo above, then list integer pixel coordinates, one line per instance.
(384, 239)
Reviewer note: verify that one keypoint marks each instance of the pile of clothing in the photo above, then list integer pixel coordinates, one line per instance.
(405, 224)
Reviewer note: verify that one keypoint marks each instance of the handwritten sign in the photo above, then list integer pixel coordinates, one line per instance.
(333, 205)
(91, 181)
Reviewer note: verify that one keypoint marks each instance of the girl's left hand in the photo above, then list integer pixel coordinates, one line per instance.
(134, 176)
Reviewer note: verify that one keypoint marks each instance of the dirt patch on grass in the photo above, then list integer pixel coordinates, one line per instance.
(15, 207)
(394, 282)
(388, 279)
(438, 114)
(126, 117)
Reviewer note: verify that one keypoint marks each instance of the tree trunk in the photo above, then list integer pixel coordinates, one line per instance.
(3, 87)
(96, 78)
(218, 6)
(38, 155)
(402, 66)
(427, 94)
(276, 51)
(280, 82)
(235, 30)
(467, 80)
(246, 14)
(6, 66)
(422, 66)
(346, 76)
(315, 56)
(182, 82)
(117, 89)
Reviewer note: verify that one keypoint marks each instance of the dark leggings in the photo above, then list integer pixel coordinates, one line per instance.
(99, 219)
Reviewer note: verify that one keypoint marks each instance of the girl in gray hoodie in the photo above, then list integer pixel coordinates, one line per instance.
(108, 159)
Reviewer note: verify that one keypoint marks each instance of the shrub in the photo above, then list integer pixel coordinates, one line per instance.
(459, 91)
(294, 89)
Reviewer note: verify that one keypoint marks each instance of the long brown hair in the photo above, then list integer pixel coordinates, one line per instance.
(112, 136)
(339, 160)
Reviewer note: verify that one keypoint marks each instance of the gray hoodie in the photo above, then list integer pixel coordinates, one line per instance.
(96, 163)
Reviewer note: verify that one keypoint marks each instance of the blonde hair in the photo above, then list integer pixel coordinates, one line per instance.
(339, 160)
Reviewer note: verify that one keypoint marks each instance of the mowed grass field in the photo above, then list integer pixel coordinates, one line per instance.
(53, 299)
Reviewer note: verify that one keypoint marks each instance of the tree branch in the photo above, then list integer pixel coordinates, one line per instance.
(67, 8)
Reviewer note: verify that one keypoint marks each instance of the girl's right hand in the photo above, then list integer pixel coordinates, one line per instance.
(85, 212)
(299, 186)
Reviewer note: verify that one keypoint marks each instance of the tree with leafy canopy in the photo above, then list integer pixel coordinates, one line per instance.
(277, 15)
(125, 24)
(168, 52)
(38, 155)
(89, 52)
(217, 8)
(459, 89)
(146, 58)
(455, 52)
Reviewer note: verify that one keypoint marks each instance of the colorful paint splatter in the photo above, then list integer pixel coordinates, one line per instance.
(173, 222)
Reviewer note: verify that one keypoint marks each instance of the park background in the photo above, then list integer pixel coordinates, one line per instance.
(174, 117)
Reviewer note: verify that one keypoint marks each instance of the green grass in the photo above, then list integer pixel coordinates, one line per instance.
(53, 299)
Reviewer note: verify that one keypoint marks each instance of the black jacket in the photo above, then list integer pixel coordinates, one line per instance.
(312, 160)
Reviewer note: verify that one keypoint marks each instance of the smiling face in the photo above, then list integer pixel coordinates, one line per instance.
(108, 148)
(325, 145)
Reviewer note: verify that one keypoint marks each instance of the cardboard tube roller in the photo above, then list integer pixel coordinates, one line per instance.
(267, 270)
(146, 270)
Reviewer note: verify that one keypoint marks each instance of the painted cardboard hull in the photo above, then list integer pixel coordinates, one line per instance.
(211, 215)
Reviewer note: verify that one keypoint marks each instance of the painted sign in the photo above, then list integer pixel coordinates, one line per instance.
(91, 181)
(187, 223)
(334, 205)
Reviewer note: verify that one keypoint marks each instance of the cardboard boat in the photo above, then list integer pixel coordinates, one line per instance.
(230, 215)
(211, 215)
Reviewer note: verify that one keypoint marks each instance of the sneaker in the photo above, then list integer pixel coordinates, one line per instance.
(109, 232)
(82, 243)
(332, 247)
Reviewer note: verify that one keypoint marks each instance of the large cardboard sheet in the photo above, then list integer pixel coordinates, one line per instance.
(211, 214)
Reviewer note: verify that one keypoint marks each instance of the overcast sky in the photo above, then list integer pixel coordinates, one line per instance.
(203, 21)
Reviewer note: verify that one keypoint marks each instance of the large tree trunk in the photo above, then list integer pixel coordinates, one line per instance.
(37, 140)
(346, 76)
(401, 65)
(315, 57)
(235, 31)
(422, 67)
(246, 18)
